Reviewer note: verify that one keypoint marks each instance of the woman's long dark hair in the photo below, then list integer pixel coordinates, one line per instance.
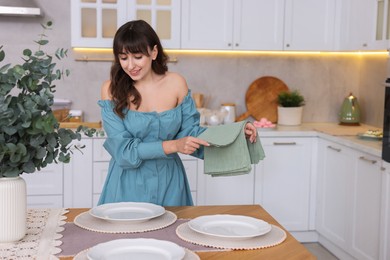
(133, 37)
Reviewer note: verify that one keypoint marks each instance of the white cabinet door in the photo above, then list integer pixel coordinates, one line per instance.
(334, 191)
(258, 25)
(94, 23)
(100, 171)
(78, 176)
(357, 24)
(45, 187)
(232, 24)
(163, 16)
(45, 201)
(191, 165)
(309, 24)
(226, 190)
(282, 181)
(207, 24)
(366, 207)
(47, 181)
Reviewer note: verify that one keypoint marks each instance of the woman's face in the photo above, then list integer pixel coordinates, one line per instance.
(137, 65)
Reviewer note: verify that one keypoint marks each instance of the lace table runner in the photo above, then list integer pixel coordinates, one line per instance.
(42, 237)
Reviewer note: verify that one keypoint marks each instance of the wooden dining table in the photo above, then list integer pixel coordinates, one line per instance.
(288, 249)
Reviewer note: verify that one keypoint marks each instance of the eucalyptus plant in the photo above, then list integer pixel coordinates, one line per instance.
(30, 135)
(291, 99)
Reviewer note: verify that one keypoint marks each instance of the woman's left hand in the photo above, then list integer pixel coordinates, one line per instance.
(250, 132)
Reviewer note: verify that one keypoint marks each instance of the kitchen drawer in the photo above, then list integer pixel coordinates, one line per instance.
(47, 181)
(52, 201)
(99, 153)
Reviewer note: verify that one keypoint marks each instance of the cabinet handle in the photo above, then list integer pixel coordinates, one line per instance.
(229, 44)
(237, 44)
(285, 143)
(287, 45)
(367, 160)
(334, 149)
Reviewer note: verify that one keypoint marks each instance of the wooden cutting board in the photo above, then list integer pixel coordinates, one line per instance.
(261, 98)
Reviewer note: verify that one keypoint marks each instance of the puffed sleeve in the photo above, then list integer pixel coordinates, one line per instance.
(190, 122)
(127, 151)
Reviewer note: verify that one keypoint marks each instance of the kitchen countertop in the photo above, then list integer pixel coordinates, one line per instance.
(345, 135)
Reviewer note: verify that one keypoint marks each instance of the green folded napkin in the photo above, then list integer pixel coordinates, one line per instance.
(230, 152)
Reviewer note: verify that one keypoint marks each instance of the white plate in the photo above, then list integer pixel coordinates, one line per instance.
(127, 212)
(230, 226)
(138, 248)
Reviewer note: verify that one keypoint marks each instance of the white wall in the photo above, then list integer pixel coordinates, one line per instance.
(324, 79)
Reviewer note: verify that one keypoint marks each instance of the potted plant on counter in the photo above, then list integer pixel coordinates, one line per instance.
(30, 136)
(290, 108)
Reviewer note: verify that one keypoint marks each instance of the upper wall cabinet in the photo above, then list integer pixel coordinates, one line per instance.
(309, 25)
(232, 24)
(363, 24)
(94, 22)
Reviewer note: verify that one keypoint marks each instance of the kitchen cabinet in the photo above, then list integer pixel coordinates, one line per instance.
(385, 245)
(362, 25)
(232, 24)
(335, 174)
(366, 206)
(45, 187)
(283, 181)
(349, 208)
(226, 190)
(94, 22)
(309, 25)
(258, 25)
(78, 175)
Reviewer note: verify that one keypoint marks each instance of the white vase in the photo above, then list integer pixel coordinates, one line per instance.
(13, 209)
(290, 116)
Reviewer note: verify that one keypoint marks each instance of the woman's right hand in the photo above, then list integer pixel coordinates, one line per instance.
(185, 145)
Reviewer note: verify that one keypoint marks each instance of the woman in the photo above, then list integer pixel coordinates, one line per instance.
(149, 117)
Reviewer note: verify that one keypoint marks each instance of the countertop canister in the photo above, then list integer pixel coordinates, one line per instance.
(230, 115)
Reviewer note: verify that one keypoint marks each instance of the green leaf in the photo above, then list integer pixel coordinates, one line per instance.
(29, 167)
(4, 68)
(27, 52)
(42, 42)
(41, 153)
(39, 53)
(2, 55)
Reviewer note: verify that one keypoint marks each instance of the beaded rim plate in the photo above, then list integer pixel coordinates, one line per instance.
(230, 226)
(127, 212)
(137, 248)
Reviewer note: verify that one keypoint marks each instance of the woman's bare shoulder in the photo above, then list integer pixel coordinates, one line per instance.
(178, 83)
(105, 90)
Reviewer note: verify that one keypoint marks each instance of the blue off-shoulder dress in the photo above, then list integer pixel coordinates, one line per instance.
(139, 170)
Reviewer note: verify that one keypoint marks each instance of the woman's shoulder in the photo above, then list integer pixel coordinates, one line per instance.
(105, 92)
(176, 78)
(178, 83)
